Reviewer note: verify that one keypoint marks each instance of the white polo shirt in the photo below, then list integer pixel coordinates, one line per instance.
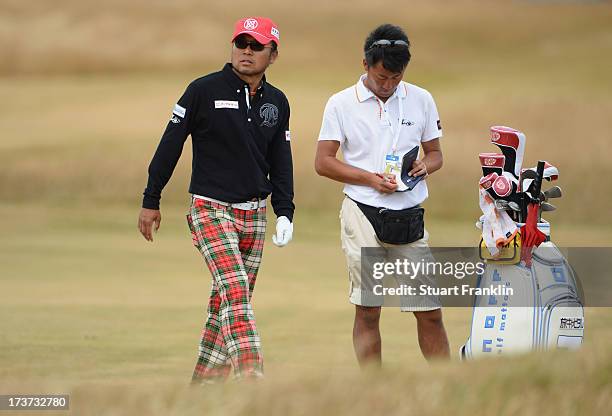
(365, 127)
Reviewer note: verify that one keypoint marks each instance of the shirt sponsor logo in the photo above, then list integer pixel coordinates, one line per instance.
(407, 122)
(175, 120)
(179, 111)
(226, 104)
(439, 125)
(269, 114)
(287, 135)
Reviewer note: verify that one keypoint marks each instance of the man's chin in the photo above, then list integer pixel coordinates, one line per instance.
(247, 71)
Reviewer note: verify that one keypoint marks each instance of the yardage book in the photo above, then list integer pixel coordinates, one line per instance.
(406, 182)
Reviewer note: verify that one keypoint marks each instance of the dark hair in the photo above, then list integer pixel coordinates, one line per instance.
(394, 58)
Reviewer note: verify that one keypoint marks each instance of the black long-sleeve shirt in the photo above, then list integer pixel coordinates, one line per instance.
(241, 143)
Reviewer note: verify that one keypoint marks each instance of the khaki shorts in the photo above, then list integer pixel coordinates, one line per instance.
(357, 232)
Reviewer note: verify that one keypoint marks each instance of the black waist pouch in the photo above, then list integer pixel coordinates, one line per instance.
(395, 226)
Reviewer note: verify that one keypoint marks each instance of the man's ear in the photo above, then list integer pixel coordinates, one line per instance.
(273, 56)
(365, 65)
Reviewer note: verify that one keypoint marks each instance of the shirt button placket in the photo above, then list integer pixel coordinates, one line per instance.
(249, 106)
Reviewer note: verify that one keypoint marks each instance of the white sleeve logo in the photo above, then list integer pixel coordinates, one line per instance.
(179, 111)
(287, 135)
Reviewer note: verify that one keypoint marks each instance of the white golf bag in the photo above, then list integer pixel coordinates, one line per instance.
(544, 312)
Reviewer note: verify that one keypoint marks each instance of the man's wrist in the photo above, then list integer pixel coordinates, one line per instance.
(285, 212)
(283, 218)
(370, 179)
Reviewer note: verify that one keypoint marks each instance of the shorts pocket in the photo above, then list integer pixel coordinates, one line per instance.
(194, 235)
(345, 228)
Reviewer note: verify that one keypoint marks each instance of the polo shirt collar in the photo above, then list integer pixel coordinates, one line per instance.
(235, 81)
(363, 93)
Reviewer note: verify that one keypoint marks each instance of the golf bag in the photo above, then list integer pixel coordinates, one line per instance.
(544, 312)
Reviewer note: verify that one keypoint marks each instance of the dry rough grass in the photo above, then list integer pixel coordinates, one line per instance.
(91, 87)
(538, 385)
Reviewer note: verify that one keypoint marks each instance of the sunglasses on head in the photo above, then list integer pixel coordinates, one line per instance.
(385, 43)
(242, 43)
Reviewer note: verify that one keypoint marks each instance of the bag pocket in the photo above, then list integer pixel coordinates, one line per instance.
(401, 227)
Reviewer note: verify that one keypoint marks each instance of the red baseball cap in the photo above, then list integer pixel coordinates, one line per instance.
(264, 30)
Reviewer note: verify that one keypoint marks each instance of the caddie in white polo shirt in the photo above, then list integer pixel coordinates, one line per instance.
(376, 122)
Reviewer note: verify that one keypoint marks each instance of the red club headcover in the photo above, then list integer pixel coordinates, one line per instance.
(492, 162)
(486, 182)
(502, 186)
(511, 142)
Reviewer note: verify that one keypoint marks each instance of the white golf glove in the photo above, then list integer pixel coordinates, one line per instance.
(284, 232)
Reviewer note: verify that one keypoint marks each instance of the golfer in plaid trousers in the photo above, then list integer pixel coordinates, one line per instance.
(239, 125)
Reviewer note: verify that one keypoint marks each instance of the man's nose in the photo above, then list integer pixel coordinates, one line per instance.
(388, 84)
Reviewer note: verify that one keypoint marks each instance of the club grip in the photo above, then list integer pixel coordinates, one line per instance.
(538, 181)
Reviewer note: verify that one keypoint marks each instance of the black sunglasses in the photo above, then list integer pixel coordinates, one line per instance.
(385, 43)
(242, 43)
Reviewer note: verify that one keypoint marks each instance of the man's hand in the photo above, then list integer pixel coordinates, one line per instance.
(147, 219)
(418, 168)
(384, 183)
(284, 232)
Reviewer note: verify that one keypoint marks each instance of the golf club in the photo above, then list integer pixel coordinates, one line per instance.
(503, 205)
(551, 173)
(554, 192)
(545, 207)
(526, 179)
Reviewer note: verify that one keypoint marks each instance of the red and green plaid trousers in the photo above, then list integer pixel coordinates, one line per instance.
(231, 241)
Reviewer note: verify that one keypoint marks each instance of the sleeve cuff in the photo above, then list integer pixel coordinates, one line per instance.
(285, 213)
(150, 202)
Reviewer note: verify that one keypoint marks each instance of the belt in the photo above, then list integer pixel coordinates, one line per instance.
(248, 205)
(381, 209)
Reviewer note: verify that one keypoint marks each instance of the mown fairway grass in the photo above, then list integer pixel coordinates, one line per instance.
(88, 308)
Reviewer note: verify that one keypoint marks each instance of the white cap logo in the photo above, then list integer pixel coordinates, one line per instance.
(250, 24)
(274, 32)
(495, 136)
